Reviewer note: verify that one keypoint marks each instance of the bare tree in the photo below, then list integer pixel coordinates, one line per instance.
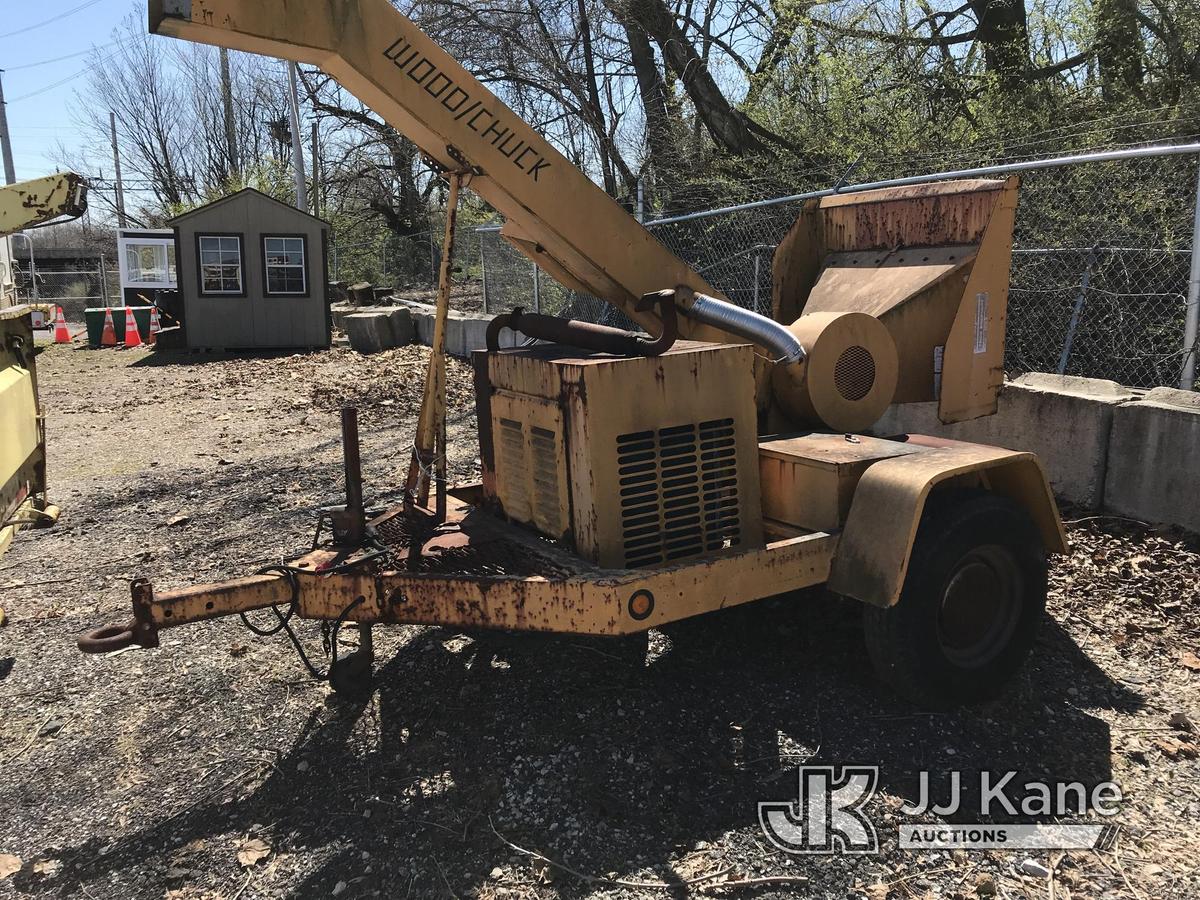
(171, 122)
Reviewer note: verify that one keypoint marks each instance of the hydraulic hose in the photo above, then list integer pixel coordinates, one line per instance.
(585, 335)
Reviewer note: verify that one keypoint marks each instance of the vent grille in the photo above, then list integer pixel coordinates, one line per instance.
(678, 491)
(529, 458)
(854, 373)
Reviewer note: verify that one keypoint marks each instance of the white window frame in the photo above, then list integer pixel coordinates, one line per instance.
(241, 264)
(303, 265)
(131, 240)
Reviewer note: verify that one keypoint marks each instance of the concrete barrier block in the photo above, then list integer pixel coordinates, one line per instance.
(370, 332)
(423, 325)
(474, 335)
(403, 329)
(455, 335)
(1173, 398)
(339, 312)
(1065, 420)
(1153, 448)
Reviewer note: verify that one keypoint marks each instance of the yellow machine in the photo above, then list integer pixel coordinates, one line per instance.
(633, 480)
(27, 204)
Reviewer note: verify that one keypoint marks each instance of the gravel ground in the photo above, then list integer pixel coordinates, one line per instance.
(493, 765)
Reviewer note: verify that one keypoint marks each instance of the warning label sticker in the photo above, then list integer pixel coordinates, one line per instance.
(981, 322)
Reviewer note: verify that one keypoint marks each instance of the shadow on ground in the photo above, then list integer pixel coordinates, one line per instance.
(565, 747)
(205, 357)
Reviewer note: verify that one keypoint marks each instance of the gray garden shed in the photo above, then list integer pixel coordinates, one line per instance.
(252, 274)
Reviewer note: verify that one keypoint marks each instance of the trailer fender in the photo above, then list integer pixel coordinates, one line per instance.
(872, 557)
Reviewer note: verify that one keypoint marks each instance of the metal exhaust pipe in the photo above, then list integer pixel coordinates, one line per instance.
(744, 323)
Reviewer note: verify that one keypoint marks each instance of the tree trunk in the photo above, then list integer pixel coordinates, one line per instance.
(1119, 48)
(1004, 33)
(593, 100)
(653, 93)
(727, 127)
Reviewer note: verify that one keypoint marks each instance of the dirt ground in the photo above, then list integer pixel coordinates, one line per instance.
(491, 765)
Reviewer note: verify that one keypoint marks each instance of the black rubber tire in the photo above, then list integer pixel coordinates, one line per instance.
(906, 642)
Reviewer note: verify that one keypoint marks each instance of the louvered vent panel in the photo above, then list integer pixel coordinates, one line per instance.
(514, 462)
(543, 455)
(678, 491)
(718, 461)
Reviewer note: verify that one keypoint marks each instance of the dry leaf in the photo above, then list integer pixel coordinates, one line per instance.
(1182, 722)
(878, 891)
(9, 865)
(1174, 749)
(253, 851)
(46, 867)
(1190, 660)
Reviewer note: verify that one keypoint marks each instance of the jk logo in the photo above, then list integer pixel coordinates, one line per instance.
(828, 817)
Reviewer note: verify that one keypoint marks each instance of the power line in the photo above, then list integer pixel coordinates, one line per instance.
(51, 20)
(46, 62)
(63, 81)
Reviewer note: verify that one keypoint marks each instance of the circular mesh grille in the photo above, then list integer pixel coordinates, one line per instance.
(854, 373)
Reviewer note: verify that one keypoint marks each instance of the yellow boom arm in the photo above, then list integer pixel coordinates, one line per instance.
(28, 204)
(555, 214)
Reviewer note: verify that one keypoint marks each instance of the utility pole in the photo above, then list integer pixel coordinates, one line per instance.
(10, 174)
(316, 169)
(297, 147)
(112, 124)
(235, 167)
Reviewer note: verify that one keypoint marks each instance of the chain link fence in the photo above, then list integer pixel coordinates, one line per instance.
(1099, 281)
(74, 290)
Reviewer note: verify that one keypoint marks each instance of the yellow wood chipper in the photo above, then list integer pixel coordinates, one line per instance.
(23, 502)
(629, 479)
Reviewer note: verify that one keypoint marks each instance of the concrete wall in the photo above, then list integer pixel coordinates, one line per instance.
(1154, 459)
(1106, 447)
(464, 333)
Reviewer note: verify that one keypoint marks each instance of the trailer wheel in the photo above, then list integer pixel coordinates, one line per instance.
(971, 604)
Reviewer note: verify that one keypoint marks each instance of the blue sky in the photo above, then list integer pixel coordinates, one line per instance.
(38, 114)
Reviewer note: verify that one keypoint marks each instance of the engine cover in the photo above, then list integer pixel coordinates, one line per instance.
(633, 461)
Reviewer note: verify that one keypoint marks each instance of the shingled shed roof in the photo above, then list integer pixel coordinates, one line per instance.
(243, 192)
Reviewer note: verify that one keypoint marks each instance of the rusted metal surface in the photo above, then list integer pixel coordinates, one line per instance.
(141, 631)
(872, 560)
(639, 460)
(480, 572)
(585, 335)
(211, 601)
(596, 602)
(929, 215)
(349, 524)
(808, 481)
(467, 550)
(41, 200)
(931, 262)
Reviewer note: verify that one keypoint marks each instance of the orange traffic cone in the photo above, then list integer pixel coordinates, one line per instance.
(61, 334)
(133, 337)
(155, 325)
(108, 337)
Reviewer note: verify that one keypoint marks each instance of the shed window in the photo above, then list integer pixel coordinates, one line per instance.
(285, 262)
(220, 264)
